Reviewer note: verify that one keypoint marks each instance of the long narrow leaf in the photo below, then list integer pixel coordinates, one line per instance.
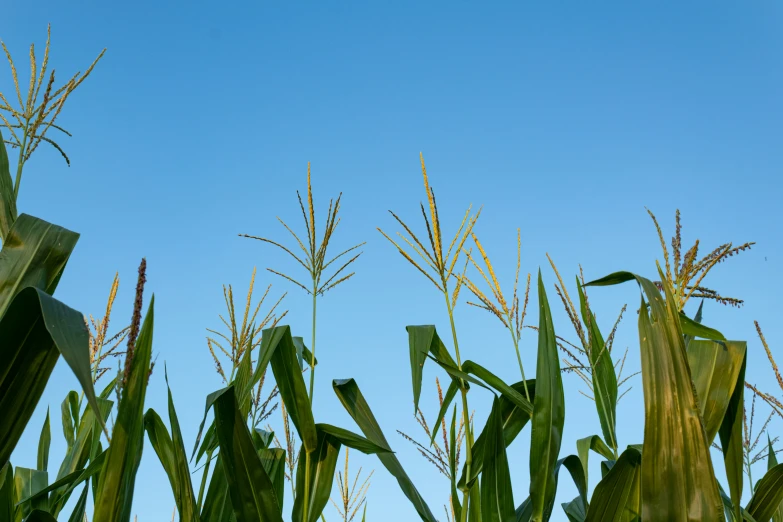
(768, 495)
(616, 497)
(548, 413)
(323, 462)
(353, 401)
(497, 498)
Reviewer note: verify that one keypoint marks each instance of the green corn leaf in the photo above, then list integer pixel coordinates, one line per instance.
(424, 340)
(693, 328)
(7, 199)
(69, 425)
(217, 504)
(352, 440)
(323, 462)
(273, 461)
(455, 504)
(572, 463)
(514, 420)
(595, 443)
(118, 477)
(28, 482)
(715, 369)
(768, 496)
(772, 461)
(252, 493)
(277, 347)
(677, 472)
(353, 401)
(7, 492)
(35, 330)
(34, 254)
(68, 483)
(44, 443)
(77, 515)
(603, 374)
(575, 510)
(451, 392)
(616, 497)
(497, 498)
(303, 354)
(548, 413)
(164, 448)
(40, 516)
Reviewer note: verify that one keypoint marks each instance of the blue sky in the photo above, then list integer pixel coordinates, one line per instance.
(564, 119)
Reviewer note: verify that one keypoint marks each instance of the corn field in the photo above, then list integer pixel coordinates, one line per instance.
(695, 395)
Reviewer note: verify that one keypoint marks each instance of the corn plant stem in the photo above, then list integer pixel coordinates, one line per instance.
(204, 481)
(519, 357)
(465, 409)
(750, 472)
(312, 383)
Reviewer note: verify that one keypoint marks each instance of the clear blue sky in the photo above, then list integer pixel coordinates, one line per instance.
(563, 118)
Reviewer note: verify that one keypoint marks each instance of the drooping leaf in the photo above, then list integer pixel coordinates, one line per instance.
(118, 476)
(693, 328)
(35, 330)
(768, 495)
(595, 443)
(44, 443)
(548, 413)
(424, 340)
(677, 472)
(497, 498)
(251, 490)
(616, 497)
(352, 440)
(451, 392)
(353, 401)
(323, 462)
(34, 254)
(603, 374)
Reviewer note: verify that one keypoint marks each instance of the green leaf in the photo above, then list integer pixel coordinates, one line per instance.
(217, 504)
(77, 515)
(277, 346)
(693, 328)
(40, 516)
(423, 340)
(273, 461)
(323, 462)
(7, 492)
(497, 498)
(28, 482)
(455, 504)
(352, 440)
(548, 413)
(68, 482)
(118, 477)
(303, 353)
(353, 401)
(603, 373)
(35, 330)
(34, 254)
(768, 495)
(595, 443)
(574, 466)
(616, 497)
(44, 442)
(69, 425)
(514, 420)
(677, 472)
(715, 369)
(772, 461)
(252, 493)
(7, 199)
(575, 510)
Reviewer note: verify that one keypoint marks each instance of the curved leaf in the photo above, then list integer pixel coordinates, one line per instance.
(40, 516)
(424, 340)
(548, 413)
(7, 198)
(352, 440)
(35, 330)
(768, 495)
(451, 392)
(677, 472)
(595, 443)
(353, 401)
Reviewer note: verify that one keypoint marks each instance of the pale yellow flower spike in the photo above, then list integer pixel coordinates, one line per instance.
(433, 215)
(312, 210)
(501, 300)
